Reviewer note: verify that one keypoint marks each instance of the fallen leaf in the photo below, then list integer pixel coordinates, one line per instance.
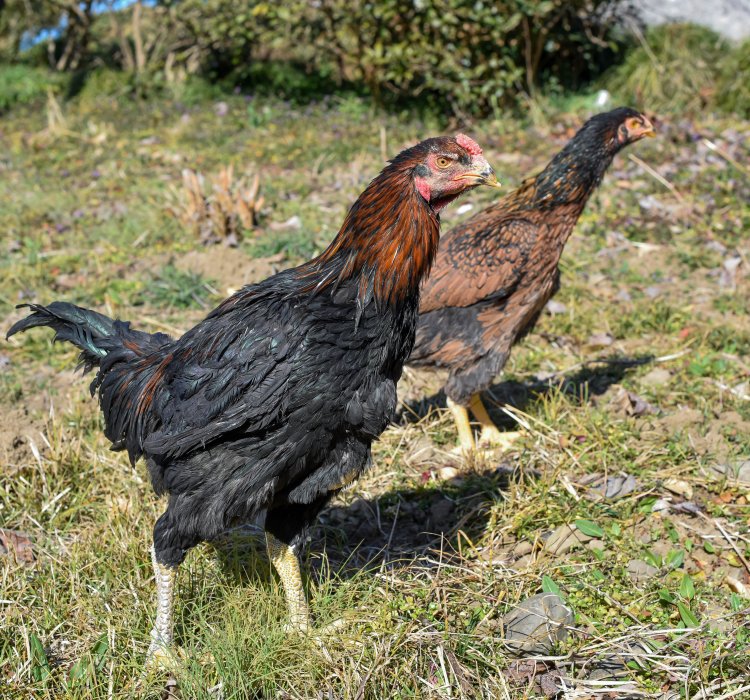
(16, 543)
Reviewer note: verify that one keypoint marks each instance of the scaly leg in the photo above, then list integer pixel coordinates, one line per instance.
(161, 634)
(490, 434)
(285, 562)
(461, 417)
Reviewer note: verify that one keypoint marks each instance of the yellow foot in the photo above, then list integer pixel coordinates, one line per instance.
(490, 436)
(305, 628)
(474, 455)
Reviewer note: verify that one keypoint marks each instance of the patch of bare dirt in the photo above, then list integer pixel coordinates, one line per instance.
(22, 423)
(229, 267)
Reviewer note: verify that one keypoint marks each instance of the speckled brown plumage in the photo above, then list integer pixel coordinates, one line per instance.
(494, 273)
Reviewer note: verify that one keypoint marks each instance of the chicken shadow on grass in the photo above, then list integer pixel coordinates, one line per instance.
(593, 379)
(393, 529)
(403, 526)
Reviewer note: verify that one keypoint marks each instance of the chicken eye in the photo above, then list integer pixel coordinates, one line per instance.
(443, 162)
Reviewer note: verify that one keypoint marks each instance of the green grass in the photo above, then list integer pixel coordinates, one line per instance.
(85, 218)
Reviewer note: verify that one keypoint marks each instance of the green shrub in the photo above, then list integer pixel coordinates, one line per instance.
(733, 88)
(462, 55)
(675, 69)
(24, 85)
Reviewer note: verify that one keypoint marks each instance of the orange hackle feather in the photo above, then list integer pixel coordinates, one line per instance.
(389, 239)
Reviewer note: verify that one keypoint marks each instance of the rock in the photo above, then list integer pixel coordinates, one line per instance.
(663, 504)
(523, 547)
(537, 624)
(656, 377)
(565, 538)
(555, 307)
(616, 486)
(640, 571)
(600, 340)
(550, 684)
(735, 472)
(422, 452)
(524, 562)
(728, 277)
(687, 507)
(727, 17)
(626, 403)
(608, 668)
(737, 586)
(680, 487)
(447, 473)
(677, 422)
(293, 222)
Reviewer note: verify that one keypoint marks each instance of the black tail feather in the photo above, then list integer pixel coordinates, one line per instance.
(126, 359)
(81, 327)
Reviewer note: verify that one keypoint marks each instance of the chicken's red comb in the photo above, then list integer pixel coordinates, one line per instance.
(468, 144)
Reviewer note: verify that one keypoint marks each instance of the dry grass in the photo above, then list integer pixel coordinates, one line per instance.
(219, 213)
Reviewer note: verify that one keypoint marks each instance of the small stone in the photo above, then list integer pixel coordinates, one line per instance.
(661, 505)
(446, 473)
(656, 377)
(738, 471)
(610, 667)
(524, 561)
(737, 586)
(537, 624)
(639, 570)
(555, 307)
(595, 544)
(549, 684)
(600, 340)
(565, 538)
(680, 487)
(523, 547)
(613, 487)
(293, 222)
(422, 451)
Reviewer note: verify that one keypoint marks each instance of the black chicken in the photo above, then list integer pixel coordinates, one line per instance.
(271, 403)
(494, 273)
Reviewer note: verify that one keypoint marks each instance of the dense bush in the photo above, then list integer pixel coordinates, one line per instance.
(460, 55)
(733, 89)
(676, 68)
(22, 85)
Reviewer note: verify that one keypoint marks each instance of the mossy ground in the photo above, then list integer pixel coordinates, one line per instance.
(643, 369)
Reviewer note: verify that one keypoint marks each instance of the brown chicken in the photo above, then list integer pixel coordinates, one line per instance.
(494, 273)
